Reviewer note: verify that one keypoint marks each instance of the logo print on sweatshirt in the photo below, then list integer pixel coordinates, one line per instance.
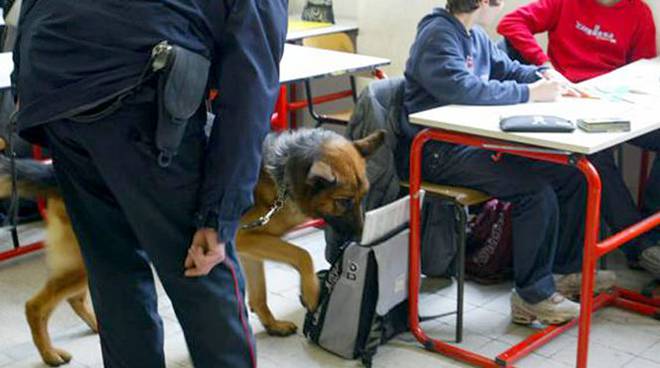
(469, 62)
(596, 32)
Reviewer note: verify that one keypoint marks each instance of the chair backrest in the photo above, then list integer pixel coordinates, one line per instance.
(387, 91)
(336, 42)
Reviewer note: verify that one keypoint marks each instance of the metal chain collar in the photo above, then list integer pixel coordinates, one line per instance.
(274, 209)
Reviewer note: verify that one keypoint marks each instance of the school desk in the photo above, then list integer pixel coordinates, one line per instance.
(478, 126)
(305, 64)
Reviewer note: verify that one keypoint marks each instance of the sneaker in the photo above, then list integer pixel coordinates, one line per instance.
(571, 284)
(650, 260)
(552, 311)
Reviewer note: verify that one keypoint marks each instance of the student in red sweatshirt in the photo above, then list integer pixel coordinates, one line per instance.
(588, 38)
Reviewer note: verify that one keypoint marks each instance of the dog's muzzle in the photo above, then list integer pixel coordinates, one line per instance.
(349, 226)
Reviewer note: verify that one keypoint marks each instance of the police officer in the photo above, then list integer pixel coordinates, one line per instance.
(86, 90)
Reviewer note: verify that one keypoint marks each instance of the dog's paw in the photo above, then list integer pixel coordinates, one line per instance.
(93, 324)
(281, 328)
(55, 357)
(310, 294)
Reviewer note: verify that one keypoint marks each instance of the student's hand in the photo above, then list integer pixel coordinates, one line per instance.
(567, 87)
(204, 253)
(552, 74)
(544, 90)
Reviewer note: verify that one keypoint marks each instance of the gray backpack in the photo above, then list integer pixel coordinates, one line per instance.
(363, 301)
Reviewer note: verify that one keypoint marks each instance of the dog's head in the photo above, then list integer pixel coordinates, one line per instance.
(331, 183)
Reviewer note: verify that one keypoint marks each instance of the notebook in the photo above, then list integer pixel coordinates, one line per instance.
(382, 221)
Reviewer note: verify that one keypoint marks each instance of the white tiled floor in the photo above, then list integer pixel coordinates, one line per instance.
(619, 338)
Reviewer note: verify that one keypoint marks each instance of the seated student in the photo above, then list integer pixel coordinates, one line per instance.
(452, 61)
(588, 38)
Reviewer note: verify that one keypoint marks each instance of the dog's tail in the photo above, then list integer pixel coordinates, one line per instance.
(33, 178)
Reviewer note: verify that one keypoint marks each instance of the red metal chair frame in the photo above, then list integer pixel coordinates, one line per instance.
(284, 108)
(41, 202)
(593, 250)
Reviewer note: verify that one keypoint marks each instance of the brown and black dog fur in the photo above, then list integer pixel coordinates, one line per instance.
(323, 173)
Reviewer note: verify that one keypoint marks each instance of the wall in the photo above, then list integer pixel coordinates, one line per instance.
(387, 27)
(342, 8)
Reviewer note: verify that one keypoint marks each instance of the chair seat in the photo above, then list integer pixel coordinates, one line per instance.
(464, 196)
(340, 116)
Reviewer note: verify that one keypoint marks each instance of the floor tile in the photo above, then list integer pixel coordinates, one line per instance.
(501, 304)
(538, 361)
(35, 362)
(399, 355)
(642, 363)
(619, 317)
(445, 330)
(561, 343)
(4, 360)
(629, 335)
(600, 356)
(176, 351)
(515, 334)
(435, 304)
(652, 353)
(619, 338)
(488, 323)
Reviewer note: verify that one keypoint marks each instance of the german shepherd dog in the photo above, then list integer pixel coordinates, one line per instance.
(316, 173)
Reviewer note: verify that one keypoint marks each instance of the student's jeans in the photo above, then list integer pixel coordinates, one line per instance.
(618, 207)
(547, 213)
(129, 213)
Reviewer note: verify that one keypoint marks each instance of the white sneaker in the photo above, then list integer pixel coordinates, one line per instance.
(650, 260)
(552, 311)
(571, 285)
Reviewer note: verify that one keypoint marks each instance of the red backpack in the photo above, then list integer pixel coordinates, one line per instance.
(489, 248)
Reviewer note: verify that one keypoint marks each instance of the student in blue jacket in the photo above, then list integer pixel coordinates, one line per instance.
(77, 64)
(452, 61)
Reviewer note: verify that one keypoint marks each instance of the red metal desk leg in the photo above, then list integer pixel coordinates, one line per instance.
(591, 230)
(414, 266)
(592, 251)
(37, 153)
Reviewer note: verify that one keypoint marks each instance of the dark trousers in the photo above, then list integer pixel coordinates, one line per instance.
(618, 207)
(547, 215)
(127, 212)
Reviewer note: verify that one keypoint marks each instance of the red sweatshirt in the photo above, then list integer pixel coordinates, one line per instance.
(585, 38)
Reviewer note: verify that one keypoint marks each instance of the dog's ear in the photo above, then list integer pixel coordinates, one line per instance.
(369, 144)
(321, 176)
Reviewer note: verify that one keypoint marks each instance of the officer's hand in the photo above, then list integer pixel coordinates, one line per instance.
(204, 253)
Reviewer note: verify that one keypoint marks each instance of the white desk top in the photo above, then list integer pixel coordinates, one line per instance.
(340, 26)
(6, 67)
(302, 63)
(484, 120)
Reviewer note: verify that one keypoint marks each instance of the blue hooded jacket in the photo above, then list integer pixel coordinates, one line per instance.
(448, 65)
(71, 54)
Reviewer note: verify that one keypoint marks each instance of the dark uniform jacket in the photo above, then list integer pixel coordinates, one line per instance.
(71, 54)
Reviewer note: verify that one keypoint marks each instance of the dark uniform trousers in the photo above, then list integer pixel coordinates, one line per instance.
(547, 214)
(127, 212)
(618, 207)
